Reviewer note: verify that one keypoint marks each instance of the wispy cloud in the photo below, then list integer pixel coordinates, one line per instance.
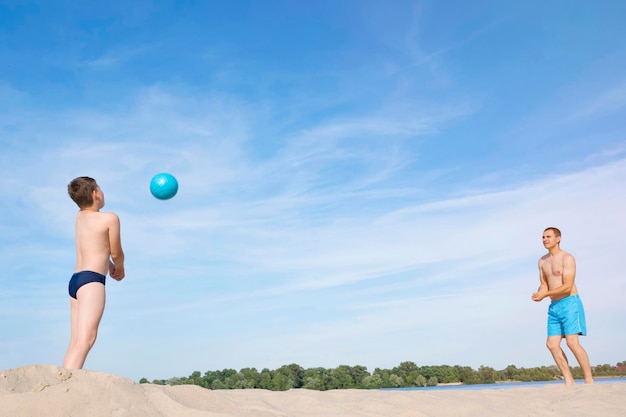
(607, 102)
(118, 56)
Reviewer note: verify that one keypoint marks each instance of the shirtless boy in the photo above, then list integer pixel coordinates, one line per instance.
(98, 251)
(566, 317)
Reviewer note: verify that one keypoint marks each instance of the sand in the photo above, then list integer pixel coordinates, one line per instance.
(50, 391)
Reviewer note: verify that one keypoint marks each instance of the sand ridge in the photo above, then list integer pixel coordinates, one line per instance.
(47, 390)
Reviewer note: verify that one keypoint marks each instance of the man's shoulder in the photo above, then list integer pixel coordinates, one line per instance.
(564, 254)
(568, 257)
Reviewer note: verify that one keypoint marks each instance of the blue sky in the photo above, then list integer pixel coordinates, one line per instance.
(361, 182)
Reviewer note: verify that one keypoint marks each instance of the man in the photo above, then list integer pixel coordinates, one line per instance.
(566, 316)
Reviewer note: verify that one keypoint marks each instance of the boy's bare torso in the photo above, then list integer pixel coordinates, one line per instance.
(552, 268)
(92, 241)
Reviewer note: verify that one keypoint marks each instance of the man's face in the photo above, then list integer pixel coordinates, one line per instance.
(549, 239)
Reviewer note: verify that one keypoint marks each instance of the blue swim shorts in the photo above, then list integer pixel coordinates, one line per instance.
(567, 316)
(84, 277)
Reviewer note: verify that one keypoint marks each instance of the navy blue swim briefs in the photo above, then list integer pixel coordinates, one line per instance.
(84, 277)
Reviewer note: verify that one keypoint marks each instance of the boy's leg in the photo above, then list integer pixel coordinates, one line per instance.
(73, 321)
(86, 313)
(579, 352)
(554, 345)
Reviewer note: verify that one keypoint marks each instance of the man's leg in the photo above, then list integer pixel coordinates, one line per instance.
(554, 345)
(86, 313)
(573, 343)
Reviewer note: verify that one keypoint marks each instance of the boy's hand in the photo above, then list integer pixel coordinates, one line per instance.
(115, 272)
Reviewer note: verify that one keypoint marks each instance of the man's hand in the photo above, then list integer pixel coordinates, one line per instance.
(538, 296)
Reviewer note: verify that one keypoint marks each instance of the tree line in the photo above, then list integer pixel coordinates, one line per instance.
(405, 375)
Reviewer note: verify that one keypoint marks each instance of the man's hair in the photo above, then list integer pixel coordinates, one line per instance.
(556, 231)
(81, 191)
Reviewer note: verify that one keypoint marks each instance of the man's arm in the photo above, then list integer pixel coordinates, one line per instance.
(115, 244)
(543, 286)
(569, 275)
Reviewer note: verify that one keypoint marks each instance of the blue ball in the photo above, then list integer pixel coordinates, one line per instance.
(163, 186)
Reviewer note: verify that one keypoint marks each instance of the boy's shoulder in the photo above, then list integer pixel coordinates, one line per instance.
(100, 216)
(109, 215)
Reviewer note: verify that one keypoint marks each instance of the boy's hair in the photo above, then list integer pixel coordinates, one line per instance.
(81, 191)
(557, 232)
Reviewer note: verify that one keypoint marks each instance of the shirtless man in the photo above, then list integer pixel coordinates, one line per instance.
(98, 251)
(566, 317)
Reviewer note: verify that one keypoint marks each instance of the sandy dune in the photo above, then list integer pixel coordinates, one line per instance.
(50, 391)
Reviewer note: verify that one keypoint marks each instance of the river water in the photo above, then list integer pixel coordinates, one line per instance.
(505, 385)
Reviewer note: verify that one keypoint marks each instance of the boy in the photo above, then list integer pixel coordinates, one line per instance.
(98, 251)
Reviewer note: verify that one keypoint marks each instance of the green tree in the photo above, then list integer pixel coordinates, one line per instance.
(372, 381)
(447, 374)
(405, 368)
(196, 379)
(225, 374)
(265, 379)
(217, 384)
(340, 378)
(511, 372)
(384, 375)
(427, 371)
(159, 382)
(420, 381)
(250, 377)
(358, 373)
(176, 381)
(487, 374)
(292, 375)
(408, 371)
(209, 377)
(235, 381)
(313, 383)
(396, 381)
(316, 377)
(281, 381)
(469, 375)
(345, 376)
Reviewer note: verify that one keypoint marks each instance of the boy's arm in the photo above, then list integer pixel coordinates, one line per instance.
(116, 270)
